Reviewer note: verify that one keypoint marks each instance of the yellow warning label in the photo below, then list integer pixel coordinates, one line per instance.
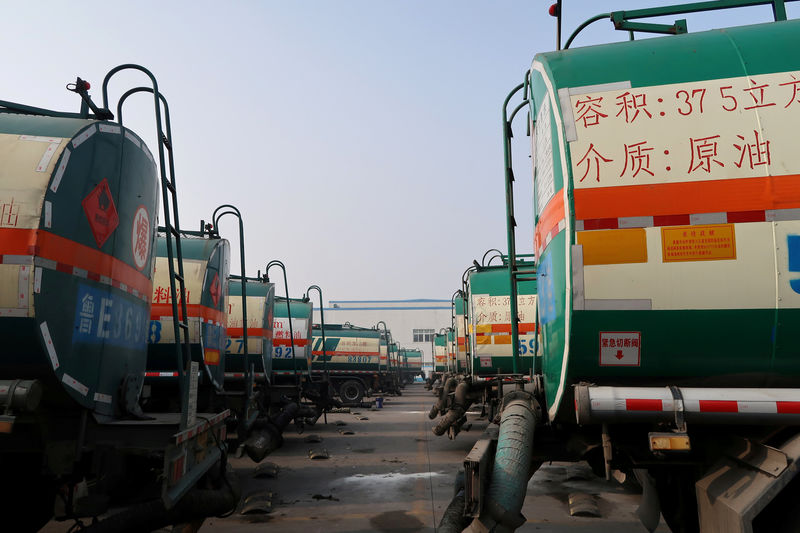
(698, 243)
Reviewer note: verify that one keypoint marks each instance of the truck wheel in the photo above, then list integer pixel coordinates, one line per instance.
(676, 495)
(351, 391)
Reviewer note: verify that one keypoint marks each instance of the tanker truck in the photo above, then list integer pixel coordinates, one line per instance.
(350, 358)
(78, 247)
(667, 242)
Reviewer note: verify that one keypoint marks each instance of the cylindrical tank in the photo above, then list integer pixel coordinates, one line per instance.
(393, 360)
(260, 319)
(282, 353)
(206, 264)
(349, 349)
(461, 335)
(411, 363)
(78, 211)
(451, 348)
(440, 352)
(668, 211)
(490, 321)
(384, 360)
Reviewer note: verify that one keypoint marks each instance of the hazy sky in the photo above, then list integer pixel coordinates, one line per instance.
(359, 138)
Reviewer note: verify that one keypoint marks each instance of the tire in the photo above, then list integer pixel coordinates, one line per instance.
(351, 391)
(676, 495)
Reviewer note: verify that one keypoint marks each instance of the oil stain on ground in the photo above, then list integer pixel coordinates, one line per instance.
(396, 521)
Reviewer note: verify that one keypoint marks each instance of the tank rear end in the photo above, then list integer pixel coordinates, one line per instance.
(79, 211)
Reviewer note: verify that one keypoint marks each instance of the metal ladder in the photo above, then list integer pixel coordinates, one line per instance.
(517, 273)
(187, 373)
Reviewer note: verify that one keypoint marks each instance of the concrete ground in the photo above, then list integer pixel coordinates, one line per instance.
(394, 474)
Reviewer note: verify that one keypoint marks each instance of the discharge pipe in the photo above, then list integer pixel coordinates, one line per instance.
(267, 433)
(461, 403)
(512, 465)
(444, 393)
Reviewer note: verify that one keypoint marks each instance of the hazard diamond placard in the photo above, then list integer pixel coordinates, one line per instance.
(101, 212)
(620, 348)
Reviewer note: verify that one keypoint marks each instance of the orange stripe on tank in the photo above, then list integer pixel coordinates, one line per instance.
(251, 332)
(713, 196)
(552, 214)
(41, 243)
(194, 310)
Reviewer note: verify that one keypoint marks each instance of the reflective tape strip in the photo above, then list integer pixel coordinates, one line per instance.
(103, 398)
(60, 171)
(83, 136)
(23, 284)
(48, 344)
(48, 214)
(37, 280)
(695, 219)
(149, 155)
(74, 384)
(132, 138)
(201, 427)
(13, 312)
(49, 152)
(10, 259)
(38, 138)
(110, 128)
(160, 374)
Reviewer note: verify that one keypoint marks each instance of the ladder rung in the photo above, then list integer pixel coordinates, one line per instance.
(184, 325)
(169, 185)
(174, 232)
(179, 277)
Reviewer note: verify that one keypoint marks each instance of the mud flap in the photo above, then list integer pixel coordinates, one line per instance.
(738, 487)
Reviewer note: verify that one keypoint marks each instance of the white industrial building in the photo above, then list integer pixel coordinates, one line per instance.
(412, 322)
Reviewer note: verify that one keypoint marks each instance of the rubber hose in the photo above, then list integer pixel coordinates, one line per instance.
(453, 519)
(512, 465)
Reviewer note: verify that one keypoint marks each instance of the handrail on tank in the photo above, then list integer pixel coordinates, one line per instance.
(219, 212)
(453, 327)
(322, 328)
(511, 222)
(166, 184)
(386, 336)
(280, 264)
(326, 379)
(621, 19)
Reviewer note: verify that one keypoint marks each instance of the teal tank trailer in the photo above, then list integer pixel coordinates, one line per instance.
(488, 291)
(290, 349)
(350, 357)
(388, 382)
(206, 264)
(410, 364)
(260, 319)
(666, 213)
(79, 194)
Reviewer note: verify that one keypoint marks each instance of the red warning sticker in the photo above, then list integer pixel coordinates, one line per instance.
(215, 290)
(101, 212)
